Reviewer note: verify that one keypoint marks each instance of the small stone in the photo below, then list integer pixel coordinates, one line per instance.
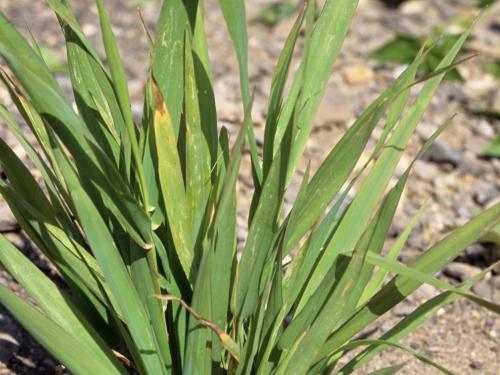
(483, 289)
(403, 310)
(445, 182)
(426, 130)
(413, 7)
(495, 282)
(473, 167)
(496, 270)
(460, 271)
(476, 144)
(441, 152)
(335, 107)
(477, 87)
(484, 197)
(485, 129)
(475, 253)
(358, 74)
(415, 345)
(426, 291)
(425, 171)
(89, 29)
(476, 365)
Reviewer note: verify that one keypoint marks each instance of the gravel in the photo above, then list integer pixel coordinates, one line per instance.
(453, 174)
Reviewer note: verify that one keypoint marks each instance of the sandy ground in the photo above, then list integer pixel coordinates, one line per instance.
(454, 177)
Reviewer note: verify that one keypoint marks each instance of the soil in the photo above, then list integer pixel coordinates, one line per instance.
(454, 177)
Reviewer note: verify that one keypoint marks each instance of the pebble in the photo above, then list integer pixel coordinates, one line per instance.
(485, 129)
(476, 365)
(480, 86)
(425, 292)
(358, 74)
(474, 168)
(440, 152)
(89, 29)
(483, 289)
(342, 110)
(415, 345)
(447, 181)
(426, 171)
(476, 144)
(402, 310)
(336, 107)
(484, 197)
(460, 271)
(495, 282)
(475, 253)
(413, 7)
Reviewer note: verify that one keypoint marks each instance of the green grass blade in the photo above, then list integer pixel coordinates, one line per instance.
(378, 278)
(206, 97)
(277, 90)
(296, 280)
(430, 262)
(35, 123)
(235, 17)
(301, 356)
(391, 202)
(56, 305)
(52, 184)
(224, 240)
(421, 277)
(261, 236)
(48, 100)
(198, 358)
(172, 185)
(94, 96)
(64, 347)
(411, 322)
(72, 260)
(168, 58)
(326, 40)
(198, 168)
(121, 90)
(224, 231)
(421, 357)
(23, 182)
(339, 163)
(34, 76)
(353, 224)
(103, 246)
(64, 12)
(391, 370)
(144, 274)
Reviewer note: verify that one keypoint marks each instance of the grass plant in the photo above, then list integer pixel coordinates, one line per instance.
(139, 218)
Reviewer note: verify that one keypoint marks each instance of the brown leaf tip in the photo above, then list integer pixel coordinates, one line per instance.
(160, 103)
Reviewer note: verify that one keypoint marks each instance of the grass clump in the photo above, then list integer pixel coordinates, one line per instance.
(140, 218)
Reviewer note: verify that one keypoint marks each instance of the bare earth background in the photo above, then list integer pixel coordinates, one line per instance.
(453, 177)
